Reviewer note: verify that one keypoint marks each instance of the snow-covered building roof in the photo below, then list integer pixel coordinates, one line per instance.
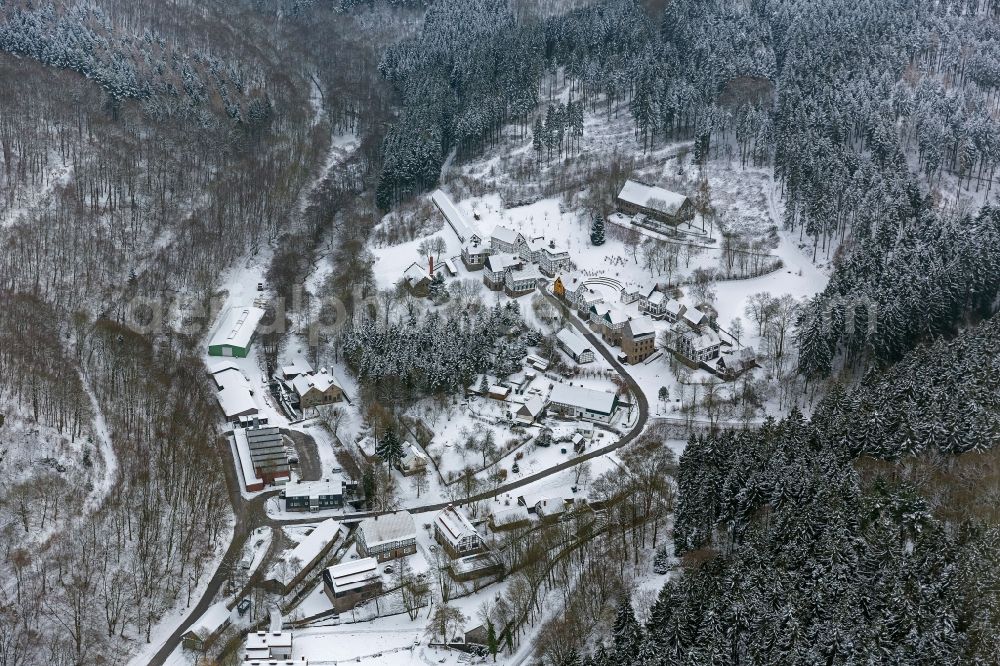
(656, 297)
(526, 272)
(497, 389)
(315, 488)
(388, 527)
(640, 326)
(583, 398)
(306, 551)
(299, 366)
(211, 620)
(454, 525)
(674, 307)
(235, 393)
(573, 342)
(260, 644)
(571, 281)
(462, 227)
(415, 273)
(498, 263)
(321, 382)
(653, 198)
(504, 235)
(706, 339)
(237, 327)
(511, 515)
(600, 308)
(352, 575)
(222, 366)
(534, 406)
(412, 455)
(616, 317)
(695, 317)
(550, 506)
(554, 249)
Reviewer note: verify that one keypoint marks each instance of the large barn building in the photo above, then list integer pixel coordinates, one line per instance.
(655, 203)
(236, 332)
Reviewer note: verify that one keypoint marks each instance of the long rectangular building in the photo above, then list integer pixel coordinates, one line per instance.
(655, 203)
(267, 454)
(584, 403)
(235, 332)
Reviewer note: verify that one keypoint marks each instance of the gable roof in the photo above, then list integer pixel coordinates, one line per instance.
(695, 316)
(498, 263)
(388, 527)
(513, 514)
(704, 340)
(640, 326)
(353, 574)
(600, 308)
(463, 228)
(653, 198)
(529, 272)
(583, 398)
(550, 506)
(454, 524)
(211, 620)
(237, 326)
(533, 406)
(576, 344)
(234, 394)
(616, 316)
(320, 381)
(299, 366)
(415, 273)
(505, 235)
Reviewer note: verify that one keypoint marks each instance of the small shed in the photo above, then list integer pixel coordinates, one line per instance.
(200, 636)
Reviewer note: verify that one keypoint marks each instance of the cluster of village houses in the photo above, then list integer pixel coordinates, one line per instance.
(510, 262)
(517, 264)
(391, 536)
(262, 455)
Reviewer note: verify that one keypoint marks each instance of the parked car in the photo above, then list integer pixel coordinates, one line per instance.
(243, 606)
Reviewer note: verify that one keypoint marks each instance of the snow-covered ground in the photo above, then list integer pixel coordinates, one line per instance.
(173, 618)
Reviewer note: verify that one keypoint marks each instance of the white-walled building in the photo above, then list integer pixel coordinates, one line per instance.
(584, 403)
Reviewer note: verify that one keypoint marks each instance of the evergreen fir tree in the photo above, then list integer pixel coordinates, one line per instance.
(626, 632)
(597, 231)
(661, 561)
(491, 639)
(389, 448)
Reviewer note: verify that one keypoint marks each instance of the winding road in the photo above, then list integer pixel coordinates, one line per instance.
(251, 514)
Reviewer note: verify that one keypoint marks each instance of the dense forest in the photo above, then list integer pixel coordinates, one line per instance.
(143, 150)
(863, 534)
(802, 544)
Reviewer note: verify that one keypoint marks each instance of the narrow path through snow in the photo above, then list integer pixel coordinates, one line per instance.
(103, 485)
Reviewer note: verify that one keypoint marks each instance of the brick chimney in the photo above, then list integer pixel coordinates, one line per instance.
(430, 258)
